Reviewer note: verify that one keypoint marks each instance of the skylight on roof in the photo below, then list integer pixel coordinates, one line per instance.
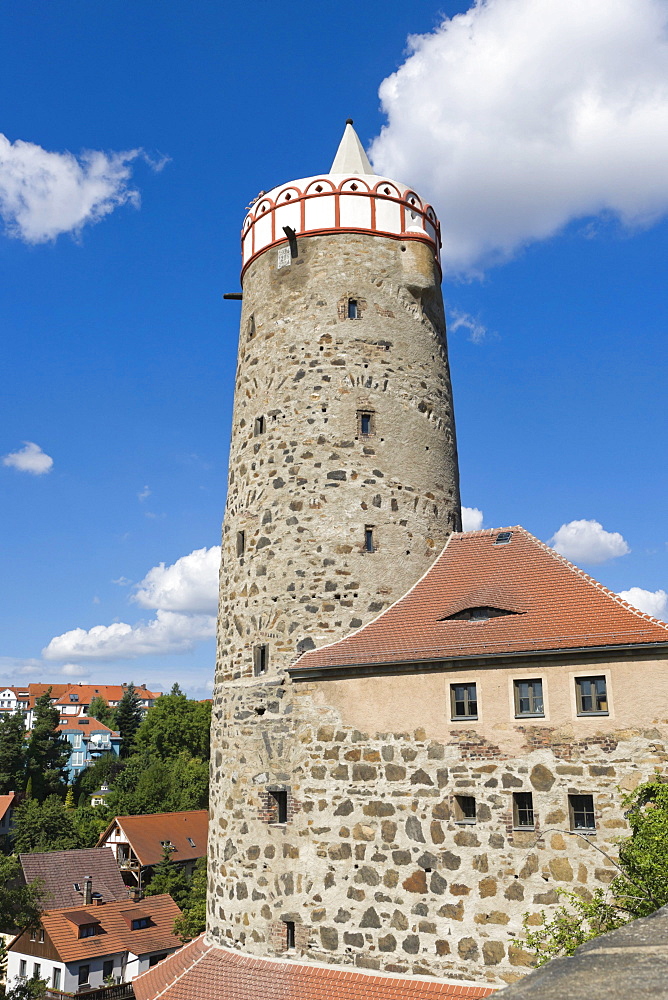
(477, 614)
(503, 537)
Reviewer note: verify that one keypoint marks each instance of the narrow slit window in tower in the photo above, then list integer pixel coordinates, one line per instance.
(260, 426)
(279, 801)
(251, 326)
(365, 423)
(241, 542)
(369, 541)
(289, 935)
(352, 309)
(260, 659)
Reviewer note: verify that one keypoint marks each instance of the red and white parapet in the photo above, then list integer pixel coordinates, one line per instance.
(350, 198)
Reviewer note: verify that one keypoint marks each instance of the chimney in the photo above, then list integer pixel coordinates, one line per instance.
(88, 891)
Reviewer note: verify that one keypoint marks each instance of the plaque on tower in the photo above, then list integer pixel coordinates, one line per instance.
(284, 257)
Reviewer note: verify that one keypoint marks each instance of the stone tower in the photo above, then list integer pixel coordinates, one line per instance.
(343, 489)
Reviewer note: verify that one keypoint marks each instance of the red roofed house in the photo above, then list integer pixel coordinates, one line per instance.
(7, 803)
(89, 946)
(138, 842)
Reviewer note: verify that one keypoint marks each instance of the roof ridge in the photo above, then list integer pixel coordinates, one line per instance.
(574, 568)
(188, 969)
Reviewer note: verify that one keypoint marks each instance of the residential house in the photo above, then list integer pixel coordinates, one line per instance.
(138, 842)
(67, 876)
(76, 699)
(85, 947)
(7, 804)
(89, 740)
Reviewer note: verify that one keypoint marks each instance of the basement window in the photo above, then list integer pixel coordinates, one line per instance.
(278, 799)
(260, 659)
(523, 818)
(369, 541)
(241, 542)
(465, 811)
(353, 312)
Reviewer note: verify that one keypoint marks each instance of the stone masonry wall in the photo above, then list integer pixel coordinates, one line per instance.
(304, 482)
(372, 866)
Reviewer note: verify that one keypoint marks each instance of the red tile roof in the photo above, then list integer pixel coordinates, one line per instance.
(145, 833)
(59, 870)
(555, 606)
(208, 972)
(6, 803)
(110, 692)
(90, 725)
(115, 934)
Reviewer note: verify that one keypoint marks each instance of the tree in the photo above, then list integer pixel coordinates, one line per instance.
(150, 785)
(640, 888)
(128, 718)
(174, 724)
(20, 904)
(12, 753)
(193, 919)
(30, 989)
(100, 710)
(48, 751)
(45, 826)
(107, 768)
(169, 878)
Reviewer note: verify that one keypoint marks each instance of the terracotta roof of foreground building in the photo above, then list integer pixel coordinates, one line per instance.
(115, 934)
(209, 972)
(550, 604)
(145, 834)
(6, 803)
(59, 870)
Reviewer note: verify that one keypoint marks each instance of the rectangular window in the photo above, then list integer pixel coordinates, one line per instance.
(365, 423)
(77, 759)
(279, 799)
(108, 969)
(464, 701)
(140, 923)
(56, 979)
(592, 695)
(290, 935)
(23, 968)
(260, 659)
(581, 809)
(40, 937)
(259, 427)
(465, 809)
(154, 959)
(352, 309)
(529, 698)
(241, 542)
(36, 970)
(76, 741)
(369, 544)
(87, 930)
(84, 975)
(523, 811)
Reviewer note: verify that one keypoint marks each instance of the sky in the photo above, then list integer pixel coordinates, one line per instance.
(132, 138)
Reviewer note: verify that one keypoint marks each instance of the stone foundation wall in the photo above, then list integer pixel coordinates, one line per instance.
(373, 868)
(304, 482)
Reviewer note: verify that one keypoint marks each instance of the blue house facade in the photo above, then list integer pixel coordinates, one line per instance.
(89, 740)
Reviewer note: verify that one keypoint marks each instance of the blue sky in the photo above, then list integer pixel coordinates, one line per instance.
(542, 143)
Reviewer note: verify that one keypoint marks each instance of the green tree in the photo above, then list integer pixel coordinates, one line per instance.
(174, 724)
(89, 823)
(148, 784)
(12, 753)
(169, 878)
(89, 779)
(44, 826)
(193, 919)
(20, 904)
(128, 718)
(48, 751)
(31, 989)
(640, 888)
(100, 710)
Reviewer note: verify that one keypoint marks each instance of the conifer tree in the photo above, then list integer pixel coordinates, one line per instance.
(12, 753)
(100, 710)
(169, 878)
(48, 751)
(193, 919)
(128, 718)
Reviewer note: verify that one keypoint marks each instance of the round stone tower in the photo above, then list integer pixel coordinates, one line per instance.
(343, 488)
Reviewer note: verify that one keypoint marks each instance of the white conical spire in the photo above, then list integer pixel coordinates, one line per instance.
(350, 156)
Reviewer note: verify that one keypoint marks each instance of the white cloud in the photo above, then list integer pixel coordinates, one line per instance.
(74, 670)
(471, 519)
(44, 194)
(144, 494)
(652, 602)
(30, 458)
(188, 585)
(167, 633)
(518, 116)
(477, 333)
(122, 581)
(588, 542)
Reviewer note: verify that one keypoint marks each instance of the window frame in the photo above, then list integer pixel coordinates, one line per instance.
(80, 972)
(467, 701)
(586, 812)
(517, 697)
(370, 545)
(461, 817)
(527, 809)
(55, 977)
(352, 308)
(290, 942)
(579, 696)
(261, 659)
(362, 415)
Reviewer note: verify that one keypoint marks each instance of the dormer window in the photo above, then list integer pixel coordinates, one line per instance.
(88, 930)
(478, 614)
(139, 923)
